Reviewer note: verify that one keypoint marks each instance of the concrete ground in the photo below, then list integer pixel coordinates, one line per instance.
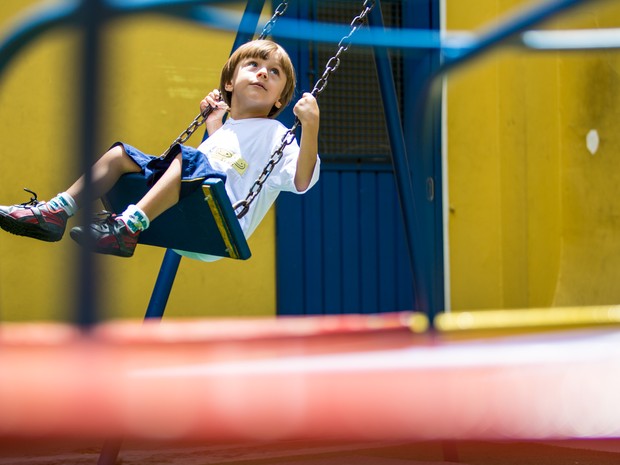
(47, 452)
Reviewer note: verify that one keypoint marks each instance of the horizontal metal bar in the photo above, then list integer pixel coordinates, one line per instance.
(42, 19)
(456, 46)
(581, 39)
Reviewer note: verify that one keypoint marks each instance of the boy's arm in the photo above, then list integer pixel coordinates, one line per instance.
(307, 110)
(214, 120)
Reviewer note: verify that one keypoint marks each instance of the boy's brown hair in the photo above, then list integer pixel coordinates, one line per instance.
(262, 49)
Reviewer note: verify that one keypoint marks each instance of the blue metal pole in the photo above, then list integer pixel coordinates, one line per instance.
(402, 172)
(249, 21)
(92, 17)
(109, 452)
(163, 285)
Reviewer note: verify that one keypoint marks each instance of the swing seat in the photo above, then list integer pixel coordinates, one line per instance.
(204, 222)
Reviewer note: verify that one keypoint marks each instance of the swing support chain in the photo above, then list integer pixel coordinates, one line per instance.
(279, 11)
(332, 65)
(185, 135)
(334, 62)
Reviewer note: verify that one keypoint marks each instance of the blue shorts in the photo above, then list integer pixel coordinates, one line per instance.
(195, 168)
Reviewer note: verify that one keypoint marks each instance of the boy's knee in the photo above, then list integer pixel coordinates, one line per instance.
(120, 156)
(120, 152)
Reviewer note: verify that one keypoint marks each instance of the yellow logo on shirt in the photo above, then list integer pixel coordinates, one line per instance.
(231, 158)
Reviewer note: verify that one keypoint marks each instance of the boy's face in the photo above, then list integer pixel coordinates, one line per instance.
(256, 86)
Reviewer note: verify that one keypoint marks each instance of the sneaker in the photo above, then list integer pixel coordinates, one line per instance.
(34, 219)
(110, 236)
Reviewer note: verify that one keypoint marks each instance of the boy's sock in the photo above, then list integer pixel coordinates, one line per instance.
(64, 201)
(135, 219)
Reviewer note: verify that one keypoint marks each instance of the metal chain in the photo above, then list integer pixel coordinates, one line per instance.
(185, 135)
(334, 62)
(202, 117)
(279, 11)
(332, 65)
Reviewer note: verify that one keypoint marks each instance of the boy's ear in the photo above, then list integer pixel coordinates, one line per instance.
(278, 104)
(228, 87)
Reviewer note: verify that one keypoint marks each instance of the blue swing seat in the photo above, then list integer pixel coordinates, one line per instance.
(203, 222)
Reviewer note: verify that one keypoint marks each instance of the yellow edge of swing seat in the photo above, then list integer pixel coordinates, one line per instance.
(192, 225)
(218, 216)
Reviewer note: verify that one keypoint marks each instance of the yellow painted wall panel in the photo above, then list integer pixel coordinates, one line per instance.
(472, 148)
(156, 71)
(542, 181)
(590, 181)
(546, 232)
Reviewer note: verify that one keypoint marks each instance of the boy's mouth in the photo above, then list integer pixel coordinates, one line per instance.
(258, 84)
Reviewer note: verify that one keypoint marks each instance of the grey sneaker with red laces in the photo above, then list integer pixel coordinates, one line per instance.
(110, 236)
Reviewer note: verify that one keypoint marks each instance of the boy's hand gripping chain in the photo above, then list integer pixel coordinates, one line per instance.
(330, 67)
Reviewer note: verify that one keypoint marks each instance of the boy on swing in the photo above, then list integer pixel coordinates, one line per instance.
(256, 83)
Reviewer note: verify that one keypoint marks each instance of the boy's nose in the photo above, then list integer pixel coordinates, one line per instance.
(262, 72)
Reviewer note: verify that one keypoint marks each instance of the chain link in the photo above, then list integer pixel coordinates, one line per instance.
(334, 62)
(332, 65)
(191, 129)
(279, 11)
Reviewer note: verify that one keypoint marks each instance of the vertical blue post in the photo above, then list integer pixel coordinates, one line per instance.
(163, 285)
(423, 141)
(402, 172)
(92, 15)
(249, 22)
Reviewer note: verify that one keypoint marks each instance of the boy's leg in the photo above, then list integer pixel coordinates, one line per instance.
(118, 235)
(105, 173)
(165, 193)
(47, 220)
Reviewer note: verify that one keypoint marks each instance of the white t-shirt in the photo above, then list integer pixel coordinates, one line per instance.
(241, 149)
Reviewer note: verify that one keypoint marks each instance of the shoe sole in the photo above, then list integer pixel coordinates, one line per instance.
(10, 225)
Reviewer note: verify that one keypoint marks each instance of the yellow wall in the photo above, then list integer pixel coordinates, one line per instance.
(157, 71)
(533, 215)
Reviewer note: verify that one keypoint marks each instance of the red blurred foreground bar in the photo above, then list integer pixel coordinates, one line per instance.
(344, 377)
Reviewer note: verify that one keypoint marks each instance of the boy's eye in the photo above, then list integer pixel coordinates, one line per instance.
(253, 64)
